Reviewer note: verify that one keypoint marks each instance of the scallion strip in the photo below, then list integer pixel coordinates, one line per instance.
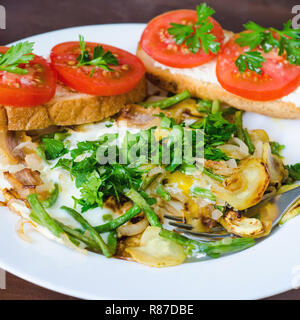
(214, 176)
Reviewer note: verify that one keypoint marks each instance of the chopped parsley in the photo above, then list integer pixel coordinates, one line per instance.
(294, 172)
(198, 35)
(276, 148)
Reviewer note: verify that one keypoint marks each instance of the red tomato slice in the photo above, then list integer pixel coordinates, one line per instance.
(103, 83)
(277, 79)
(28, 90)
(160, 45)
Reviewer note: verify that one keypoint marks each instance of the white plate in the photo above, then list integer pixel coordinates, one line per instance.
(268, 268)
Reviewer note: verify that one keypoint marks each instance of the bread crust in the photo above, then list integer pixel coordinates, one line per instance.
(68, 108)
(176, 83)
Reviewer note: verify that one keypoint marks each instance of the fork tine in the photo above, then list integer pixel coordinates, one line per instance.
(180, 225)
(173, 218)
(187, 229)
(207, 235)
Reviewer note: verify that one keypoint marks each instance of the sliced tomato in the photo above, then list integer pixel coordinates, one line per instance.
(34, 88)
(161, 46)
(277, 79)
(94, 80)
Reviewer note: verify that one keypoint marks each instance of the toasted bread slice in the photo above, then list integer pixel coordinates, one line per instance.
(163, 78)
(68, 108)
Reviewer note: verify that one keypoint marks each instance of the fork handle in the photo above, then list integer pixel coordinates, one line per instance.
(286, 201)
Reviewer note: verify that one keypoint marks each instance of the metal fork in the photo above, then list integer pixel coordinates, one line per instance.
(279, 205)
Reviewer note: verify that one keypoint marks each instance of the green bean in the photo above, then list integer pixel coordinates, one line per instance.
(229, 111)
(79, 236)
(94, 234)
(212, 249)
(136, 198)
(163, 193)
(71, 235)
(203, 193)
(112, 241)
(107, 217)
(52, 198)
(147, 181)
(214, 176)
(239, 125)
(249, 142)
(114, 224)
(43, 216)
(243, 134)
(168, 102)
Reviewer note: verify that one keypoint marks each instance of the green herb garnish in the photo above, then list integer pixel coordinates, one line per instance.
(101, 58)
(250, 59)
(197, 36)
(52, 148)
(276, 148)
(287, 41)
(16, 55)
(294, 172)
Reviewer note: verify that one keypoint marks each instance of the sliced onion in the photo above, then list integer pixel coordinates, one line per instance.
(72, 246)
(19, 207)
(132, 229)
(236, 148)
(34, 162)
(258, 149)
(20, 229)
(174, 208)
(274, 164)
(231, 163)
(27, 144)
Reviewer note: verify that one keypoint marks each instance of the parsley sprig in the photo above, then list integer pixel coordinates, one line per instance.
(101, 58)
(197, 36)
(16, 55)
(287, 41)
(250, 59)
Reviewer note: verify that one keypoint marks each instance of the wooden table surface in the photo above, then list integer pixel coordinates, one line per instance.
(30, 17)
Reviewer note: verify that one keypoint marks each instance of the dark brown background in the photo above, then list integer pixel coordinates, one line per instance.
(29, 17)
